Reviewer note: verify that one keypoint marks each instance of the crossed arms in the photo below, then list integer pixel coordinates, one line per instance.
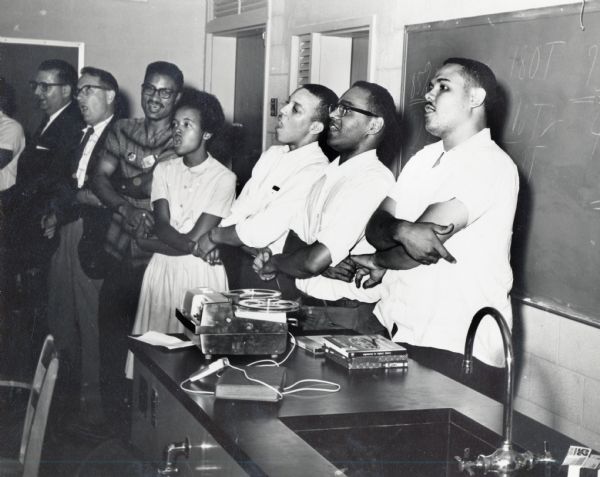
(400, 244)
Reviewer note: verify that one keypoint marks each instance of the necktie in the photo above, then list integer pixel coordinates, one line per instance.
(81, 168)
(84, 140)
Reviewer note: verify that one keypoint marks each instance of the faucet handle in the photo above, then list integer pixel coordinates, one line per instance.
(465, 465)
(546, 457)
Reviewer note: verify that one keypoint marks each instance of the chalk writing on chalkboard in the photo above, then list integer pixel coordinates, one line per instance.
(548, 121)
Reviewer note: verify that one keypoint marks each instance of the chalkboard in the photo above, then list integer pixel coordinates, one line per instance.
(19, 60)
(548, 69)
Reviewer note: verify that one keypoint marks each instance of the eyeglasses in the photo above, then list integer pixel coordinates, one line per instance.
(343, 109)
(163, 93)
(43, 85)
(86, 89)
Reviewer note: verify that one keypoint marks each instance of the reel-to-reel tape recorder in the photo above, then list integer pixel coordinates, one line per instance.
(248, 321)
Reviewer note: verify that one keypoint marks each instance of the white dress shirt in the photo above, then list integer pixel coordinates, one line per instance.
(276, 192)
(87, 150)
(336, 213)
(433, 305)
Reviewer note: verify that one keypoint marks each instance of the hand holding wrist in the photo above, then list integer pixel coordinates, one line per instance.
(192, 247)
(211, 236)
(399, 230)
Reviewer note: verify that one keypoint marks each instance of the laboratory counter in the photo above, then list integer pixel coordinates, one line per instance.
(381, 422)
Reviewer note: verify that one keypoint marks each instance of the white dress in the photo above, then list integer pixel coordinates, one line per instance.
(210, 188)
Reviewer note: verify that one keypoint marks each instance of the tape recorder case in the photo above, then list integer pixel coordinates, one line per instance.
(238, 322)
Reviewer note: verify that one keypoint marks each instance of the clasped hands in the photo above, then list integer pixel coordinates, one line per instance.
(207, 250)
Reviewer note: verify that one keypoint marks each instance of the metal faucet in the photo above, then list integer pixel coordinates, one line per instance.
(504, 461)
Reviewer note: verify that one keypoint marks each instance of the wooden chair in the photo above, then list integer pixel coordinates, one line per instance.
(28, 462)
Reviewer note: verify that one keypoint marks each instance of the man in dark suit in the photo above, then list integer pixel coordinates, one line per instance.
(72, 294)
(44, 164)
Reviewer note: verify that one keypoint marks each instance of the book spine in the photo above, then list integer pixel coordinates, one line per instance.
(353, 364)
(366, 359)
(399, 352)
(356, 353)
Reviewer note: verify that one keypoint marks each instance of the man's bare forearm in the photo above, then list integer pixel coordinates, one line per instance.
(226, 236)
(395, 258)
(157, 246)
(306, 262)
(380, 230)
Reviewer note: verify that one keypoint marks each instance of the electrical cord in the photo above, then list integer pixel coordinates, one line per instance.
(291, 389)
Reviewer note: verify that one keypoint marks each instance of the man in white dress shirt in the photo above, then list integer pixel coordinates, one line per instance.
(281, 179)
(339, 205)
(466, 181)
(72, 295)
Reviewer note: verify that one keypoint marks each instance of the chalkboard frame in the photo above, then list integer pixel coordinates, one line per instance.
(579, 9)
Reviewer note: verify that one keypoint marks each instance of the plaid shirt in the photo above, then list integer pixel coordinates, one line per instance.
(137, 154)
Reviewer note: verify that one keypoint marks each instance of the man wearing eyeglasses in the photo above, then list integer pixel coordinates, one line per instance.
(72, 293)
(332, 222)
(60, 128)
(43, 165)
(122, 182)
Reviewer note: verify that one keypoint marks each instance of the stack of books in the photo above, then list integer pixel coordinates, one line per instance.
(365, 352)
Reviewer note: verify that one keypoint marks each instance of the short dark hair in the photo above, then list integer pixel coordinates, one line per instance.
(167, 69)
(326, 99)
(382, 104)
(65, 71)
(106, 78)
(480, 75)
(211, 112)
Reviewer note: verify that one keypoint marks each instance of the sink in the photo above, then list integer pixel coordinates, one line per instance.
(401, 443)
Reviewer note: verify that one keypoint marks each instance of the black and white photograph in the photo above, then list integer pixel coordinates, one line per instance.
(295, 238)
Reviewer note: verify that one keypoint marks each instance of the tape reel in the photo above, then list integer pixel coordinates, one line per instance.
(269, 305)
(253, 293)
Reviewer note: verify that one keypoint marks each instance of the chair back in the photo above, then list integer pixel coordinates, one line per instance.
(38, 407)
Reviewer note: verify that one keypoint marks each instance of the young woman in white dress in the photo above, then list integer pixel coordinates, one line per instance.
(190, 195)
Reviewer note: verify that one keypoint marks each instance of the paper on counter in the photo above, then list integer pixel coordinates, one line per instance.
(160, 339)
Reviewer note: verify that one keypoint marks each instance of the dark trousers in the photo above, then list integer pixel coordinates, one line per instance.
(486, 379)
(118, 303)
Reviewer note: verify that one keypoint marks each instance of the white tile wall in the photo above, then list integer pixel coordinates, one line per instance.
(579, 348)
(591, 405)
(554, 388)
(560, 372)
(540, 333)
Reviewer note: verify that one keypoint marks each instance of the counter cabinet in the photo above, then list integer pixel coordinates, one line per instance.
(231, 438)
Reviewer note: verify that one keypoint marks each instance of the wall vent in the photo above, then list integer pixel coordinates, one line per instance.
(225, 8)
(304, 57)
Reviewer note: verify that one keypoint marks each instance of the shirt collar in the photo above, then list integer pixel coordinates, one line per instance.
(477, 140)
(357, 161)
(309, 148)
(55, 115)
(99, 128)
(200, 168)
